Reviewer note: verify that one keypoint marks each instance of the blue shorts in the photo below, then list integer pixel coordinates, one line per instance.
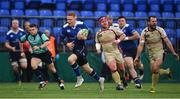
(130, 53)
(15, 56)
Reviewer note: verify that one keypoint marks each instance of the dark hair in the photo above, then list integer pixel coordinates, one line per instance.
(33, 25)
(122, 17)
(72, 14)
(149, 18)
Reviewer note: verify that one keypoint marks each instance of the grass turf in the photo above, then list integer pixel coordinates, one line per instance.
(87, 90)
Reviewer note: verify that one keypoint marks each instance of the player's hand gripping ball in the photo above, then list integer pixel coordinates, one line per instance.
(82, 34)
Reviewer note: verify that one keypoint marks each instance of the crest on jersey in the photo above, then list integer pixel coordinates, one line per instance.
(11, 36)
(68, 30)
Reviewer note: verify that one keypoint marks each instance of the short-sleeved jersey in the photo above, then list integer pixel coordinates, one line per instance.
(106, 39)
(69, 34)
(13, 38)
(129, 44)
(153, 39)
(36, 40)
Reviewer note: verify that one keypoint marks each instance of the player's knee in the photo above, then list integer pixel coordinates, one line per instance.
(14, 65)
(52, 68)
(71, 60)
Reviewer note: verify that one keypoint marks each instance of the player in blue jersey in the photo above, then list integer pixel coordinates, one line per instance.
(17, 56)
(129, 48)
(78, 57)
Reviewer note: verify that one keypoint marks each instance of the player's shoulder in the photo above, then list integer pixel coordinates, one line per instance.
(65, 25)
(9, 32)
(20, 29)
(145, 30)
(159, 28)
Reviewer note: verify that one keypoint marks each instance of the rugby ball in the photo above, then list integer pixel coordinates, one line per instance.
(82, 34)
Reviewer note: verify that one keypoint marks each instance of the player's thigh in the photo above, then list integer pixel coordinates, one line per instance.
(128, 61)
(35, 62)
(110, 61)
(72, 58)
(23, 62)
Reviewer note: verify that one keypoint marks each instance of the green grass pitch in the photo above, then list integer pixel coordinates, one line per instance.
(87, 90)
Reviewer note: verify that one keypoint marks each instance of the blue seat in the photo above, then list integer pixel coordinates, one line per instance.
(170, 24)
(60, 22)
(167, 15)
(131, 22)
(127, 1)
(127, 14)
(128, 7)
(42, 29)
(19, 5)
(45, 13)
(178, 34)
(176, 1)
(59, 13)
(34, 21)
(101, 7)
(46, 1)
(154, 7)
(114, 1)
(168, 8)
(61, 6)
(87, 14)
(100, 1)
(31, 12)
(90, 23)
(47, 23)
(99, 13)
(140, 1)
(33, 4)
(171, 35)
(154, 2)
(56, 31)
(4, 12)
(140, 14)
(2, 39)
(17, 12)
(178, 7)
(141, 7)
(114, 13)
(5, 4)
(6, 22)
(141, 23)
(139, 30)
(88, 5)
(57, 1)
(3, 30)
(167, 1)
(75, 5)
(114, 7)
(157, 14)
(177, 14)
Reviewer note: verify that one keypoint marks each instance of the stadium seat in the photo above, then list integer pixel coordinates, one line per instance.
(114, 1)
(141, 23)
(6, 22)
(127, 14)
(99, 13)
(47, 22)
(176, 1)
(153, 2)
(61, 6)
(3, 31)
(114, 13)
(170, 24)
(141, 7)
(42, 29)
(46, 1)
(57, 1)
(178, 7)
(171, 35)
(17, 12)
(2, 39)
(101, 7)
(128, 7)
(168, 8)
(114, 7)
(4, 12)
(140, 14)
(45, 13)
(167, 15)
(19, 5)
(157, 14)
(139, 30)
(140, 2)
(100, 1)
(154, 7)
(127, 1)
(60, 22)
(87, 14)
(178, 34)
(4, 4)
(75, 5)
(31, 12)
(33, 4)
(131, 22)
(56, 31)
(167, 1)
(59, 13)
(89, 5)
(177, 14)
(90, 23)
(34, 21)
